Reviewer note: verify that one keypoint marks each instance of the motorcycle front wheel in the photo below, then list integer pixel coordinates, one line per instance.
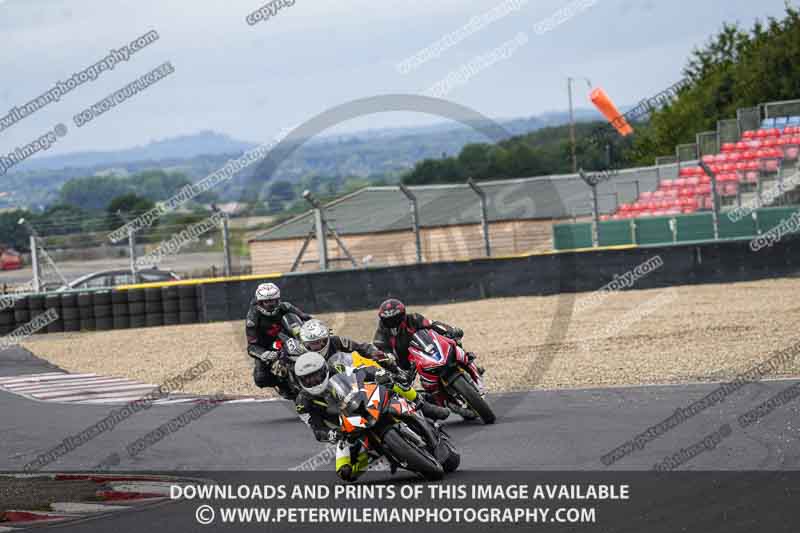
(419, 461)
(465, 388)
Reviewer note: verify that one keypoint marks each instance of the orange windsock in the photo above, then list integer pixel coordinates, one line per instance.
(601, 100)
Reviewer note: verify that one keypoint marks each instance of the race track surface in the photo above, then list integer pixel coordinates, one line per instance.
(553, 430)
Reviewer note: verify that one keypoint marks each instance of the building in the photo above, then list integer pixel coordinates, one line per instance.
(375, 223)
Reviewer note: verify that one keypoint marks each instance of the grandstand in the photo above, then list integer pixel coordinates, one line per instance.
(669, 202)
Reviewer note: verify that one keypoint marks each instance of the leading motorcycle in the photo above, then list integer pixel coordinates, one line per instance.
(388, 426)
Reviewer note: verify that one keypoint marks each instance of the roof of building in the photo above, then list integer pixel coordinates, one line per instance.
(380, 209)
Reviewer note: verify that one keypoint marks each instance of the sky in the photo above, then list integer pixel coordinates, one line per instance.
(252, 81)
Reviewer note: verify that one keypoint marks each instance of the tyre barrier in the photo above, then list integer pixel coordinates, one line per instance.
(421, 284)
(104, 310)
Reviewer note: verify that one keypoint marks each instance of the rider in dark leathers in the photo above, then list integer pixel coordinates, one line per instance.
(396, 327)
(262, 327)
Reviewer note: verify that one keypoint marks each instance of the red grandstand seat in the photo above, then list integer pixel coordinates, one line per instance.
(721, 158)
(749, 134)
(734, 158)
(666, 184)
(741, 146)
(705, 179)
(730, 189)
(603, 218)
(704, 188)
(693, 181)
(716, 169)
(708, 202)
(773, 132)
(771, 143)
(762, 134)
(707, 159)
(657, 195)
(729, 167)
(728, 147)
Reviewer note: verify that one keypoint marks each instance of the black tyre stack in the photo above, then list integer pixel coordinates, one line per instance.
(187, 304)
(22, 312)
(120, 310)
(136, 308)
(86, 318)
(170, 301)
(103, 310)
(153, 307)
(53, 301)
(70, 312)
(7, 322)
(36, 306)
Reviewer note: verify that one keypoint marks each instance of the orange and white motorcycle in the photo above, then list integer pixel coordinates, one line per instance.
(387, 425)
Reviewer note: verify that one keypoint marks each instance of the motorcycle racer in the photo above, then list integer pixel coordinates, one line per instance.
(316, 337)
(318, 409)
(396, 327)
(262, 327)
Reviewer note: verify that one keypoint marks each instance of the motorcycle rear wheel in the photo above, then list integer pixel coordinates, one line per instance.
(467, 390)
(417, 460)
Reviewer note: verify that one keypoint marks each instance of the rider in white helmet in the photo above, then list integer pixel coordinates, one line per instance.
(313, 373)
(262, 327)
(316, 336)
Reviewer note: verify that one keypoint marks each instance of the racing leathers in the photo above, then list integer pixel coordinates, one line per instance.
(262, 331)
(321, 414)
(397, 340)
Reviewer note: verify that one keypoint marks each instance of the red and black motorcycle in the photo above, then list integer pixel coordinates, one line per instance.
(446, 370)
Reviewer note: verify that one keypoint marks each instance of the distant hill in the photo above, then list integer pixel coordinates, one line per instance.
(377, 154)
(176, 148)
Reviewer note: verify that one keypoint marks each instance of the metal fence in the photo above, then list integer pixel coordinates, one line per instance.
(68, 249)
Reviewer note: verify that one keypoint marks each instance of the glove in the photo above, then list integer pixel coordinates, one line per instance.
(279, 369)
(268, 355)
(382, 377)
(386, 360)
(334, 436)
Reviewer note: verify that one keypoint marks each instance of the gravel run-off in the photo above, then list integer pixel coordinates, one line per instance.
(672, 335)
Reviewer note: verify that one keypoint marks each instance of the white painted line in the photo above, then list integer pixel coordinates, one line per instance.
(84, 508)
(28, 376)
(7, 529)
(253, 400)
(171, 402)
(117, 397)
(92, 392)
(32, 389)
(109, 400)
(45, 378)
(150, 487)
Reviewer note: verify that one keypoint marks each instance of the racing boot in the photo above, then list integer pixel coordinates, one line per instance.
(431, 410)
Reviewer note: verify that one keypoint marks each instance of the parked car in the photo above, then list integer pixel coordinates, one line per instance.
(10, 259)
(112, 278)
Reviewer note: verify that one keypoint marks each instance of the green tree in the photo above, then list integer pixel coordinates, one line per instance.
(11, 232)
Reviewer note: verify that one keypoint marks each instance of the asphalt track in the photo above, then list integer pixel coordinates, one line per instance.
(539, 430)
